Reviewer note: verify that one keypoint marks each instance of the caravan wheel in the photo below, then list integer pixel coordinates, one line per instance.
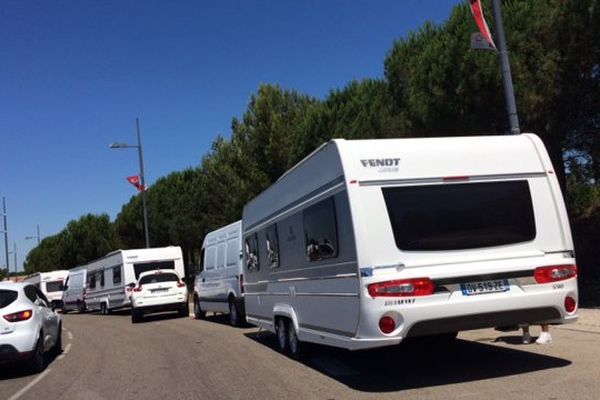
(282, 335)
(234, 315)
(104, 309)
(293, 342)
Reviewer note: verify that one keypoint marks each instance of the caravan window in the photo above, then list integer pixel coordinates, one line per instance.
(211, 258)
(233, 252)
(152, 266)
(100, 278)
(221, 255)
(320, 231)
(92, 282)
(272, 246)
(54, 286)
(460, 216)
(251, 250)
(116, 275)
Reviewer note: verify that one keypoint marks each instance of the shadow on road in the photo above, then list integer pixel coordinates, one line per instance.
(20, 370)
(417, 363)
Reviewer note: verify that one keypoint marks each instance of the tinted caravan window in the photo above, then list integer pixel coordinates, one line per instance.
(320, 231)
(460, 216)
(272, 246)
(251, 252)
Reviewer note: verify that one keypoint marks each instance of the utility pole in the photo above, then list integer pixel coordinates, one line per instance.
(5, 234)
(143, 182)
(509, 93)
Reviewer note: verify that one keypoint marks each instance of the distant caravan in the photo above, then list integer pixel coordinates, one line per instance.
(51, 285)
(367, 242)
(218, 287)
(110, 279)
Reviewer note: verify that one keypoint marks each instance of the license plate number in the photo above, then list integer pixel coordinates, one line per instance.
(484, 287)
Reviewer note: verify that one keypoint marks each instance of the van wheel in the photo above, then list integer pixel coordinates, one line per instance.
(294, 346)
(199, 313)
(63, 309)
(282, 335)
(37, 362)
(234, 313)
(184, 311)
(80, 307)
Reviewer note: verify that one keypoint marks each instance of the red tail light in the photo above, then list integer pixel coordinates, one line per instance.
(19, 316)
(84, 294)
(242, 283)
(387, 324)
(137, 289)
(555, 273)
(180, 284)
(402, 288)
(570, 304)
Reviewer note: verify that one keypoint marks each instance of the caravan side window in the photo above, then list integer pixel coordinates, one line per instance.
(100, 277)
(251, 250)
(320, 231)
(116, 275)
(272, 246)
(92, 283)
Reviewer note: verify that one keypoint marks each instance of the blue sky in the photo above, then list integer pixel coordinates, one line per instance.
(74, 75)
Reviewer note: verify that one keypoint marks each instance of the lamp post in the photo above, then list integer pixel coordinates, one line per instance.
(15, 254)
(5, 234)
(142, 178)
(35, 237)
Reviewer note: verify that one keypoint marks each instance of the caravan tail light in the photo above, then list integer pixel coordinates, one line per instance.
(19, 316)
(402, 288)
(555, 273)
(137, 289)
(242, 283)
(570, 304)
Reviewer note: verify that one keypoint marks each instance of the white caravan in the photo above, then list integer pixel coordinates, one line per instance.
(51, 284)
(367, 242)
(75, 291)
(218, 287)
(111, 278)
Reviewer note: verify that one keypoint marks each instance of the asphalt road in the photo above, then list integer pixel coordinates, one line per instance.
(106, 357)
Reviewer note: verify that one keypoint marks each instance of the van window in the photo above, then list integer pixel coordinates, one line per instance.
(320, 231)
(211, 258)
(116, 275)
(233, 252)
(251, 250)
(460, 216)
(221, 255)
(272, 246)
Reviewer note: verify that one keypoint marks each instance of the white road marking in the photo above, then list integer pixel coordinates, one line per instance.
(30, 385)
(66, 351)
(70, 335)
(333, 366)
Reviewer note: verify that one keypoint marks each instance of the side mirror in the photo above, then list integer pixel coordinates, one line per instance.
(64, 287)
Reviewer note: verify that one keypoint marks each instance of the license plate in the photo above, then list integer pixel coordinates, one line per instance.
(484, 287)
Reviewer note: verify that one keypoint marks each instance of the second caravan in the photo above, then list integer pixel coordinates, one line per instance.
(110, 279)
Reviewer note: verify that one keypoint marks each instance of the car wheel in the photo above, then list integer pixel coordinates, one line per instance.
(234, 316)
(135, 316)
(57, 349)
(199, 313)
(294, 346)
(184, 311)
(37, 362)
(282, 340)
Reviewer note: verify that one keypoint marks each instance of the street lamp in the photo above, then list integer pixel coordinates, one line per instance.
(142, 178)
(15, 254)
(35, 237)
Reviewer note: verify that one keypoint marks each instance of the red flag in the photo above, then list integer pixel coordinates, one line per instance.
(477, 11)
(135, 181)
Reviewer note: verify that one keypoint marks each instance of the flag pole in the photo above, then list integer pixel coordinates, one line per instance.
(509, 93)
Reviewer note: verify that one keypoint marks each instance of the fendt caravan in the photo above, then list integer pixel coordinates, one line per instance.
(218, 287)
(111, 278)
(367, 242)
(51, 284)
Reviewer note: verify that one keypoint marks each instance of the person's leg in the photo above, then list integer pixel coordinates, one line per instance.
(545, 337)
(526, 339)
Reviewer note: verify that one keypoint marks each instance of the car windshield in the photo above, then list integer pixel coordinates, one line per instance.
(7, 297)
(159, 277)
(53, 286)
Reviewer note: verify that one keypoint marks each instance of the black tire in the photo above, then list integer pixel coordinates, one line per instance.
(234, 313)
(57, 349)
(282, 335)
(63, 309)
(199, 313)
(294, 345)
(184, 311)
(136, 316)
(80, 307)
(103, 309)
(37, 362)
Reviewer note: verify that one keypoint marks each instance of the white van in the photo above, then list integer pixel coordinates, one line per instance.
(111, 278)
(75, 292)
(378, 240)
(218, 287)
(51, 284)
